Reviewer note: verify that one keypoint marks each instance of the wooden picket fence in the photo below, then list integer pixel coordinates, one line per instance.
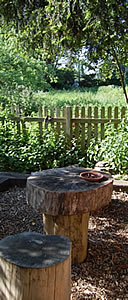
(83, 123)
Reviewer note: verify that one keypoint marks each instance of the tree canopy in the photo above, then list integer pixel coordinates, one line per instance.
(55, 26)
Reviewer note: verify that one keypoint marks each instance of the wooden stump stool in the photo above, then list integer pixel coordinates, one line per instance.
(65, 200)
(35, 267)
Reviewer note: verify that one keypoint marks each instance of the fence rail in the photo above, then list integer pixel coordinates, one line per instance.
(83, 123)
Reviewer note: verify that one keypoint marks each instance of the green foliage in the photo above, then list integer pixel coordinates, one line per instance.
(18, 72)
(113, 149)
(30, 152)
(94, 96)
(91, 80)
(65, 78)
(27, 82)
(21, 76)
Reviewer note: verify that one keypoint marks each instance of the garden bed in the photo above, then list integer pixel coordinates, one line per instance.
(104, 274)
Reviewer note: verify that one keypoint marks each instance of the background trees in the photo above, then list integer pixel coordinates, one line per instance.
(48, 28)
(100, 26)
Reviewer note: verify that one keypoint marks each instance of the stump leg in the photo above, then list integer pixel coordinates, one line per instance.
(75, 227)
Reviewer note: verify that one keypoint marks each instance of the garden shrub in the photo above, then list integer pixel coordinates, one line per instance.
(30, 152)
(113, 149)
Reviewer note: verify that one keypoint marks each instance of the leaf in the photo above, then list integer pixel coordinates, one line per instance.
(117, 248)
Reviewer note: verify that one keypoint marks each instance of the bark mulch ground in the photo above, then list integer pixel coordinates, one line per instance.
(104, 274)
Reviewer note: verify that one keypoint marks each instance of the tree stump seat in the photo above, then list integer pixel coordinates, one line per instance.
(65, 200)
(35, 267)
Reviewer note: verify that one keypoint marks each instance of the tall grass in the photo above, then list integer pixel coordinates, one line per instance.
(96, 96)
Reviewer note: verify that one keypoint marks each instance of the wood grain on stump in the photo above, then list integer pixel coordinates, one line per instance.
(65, 200)
(61, 191)
(35, 267)
(74, 227)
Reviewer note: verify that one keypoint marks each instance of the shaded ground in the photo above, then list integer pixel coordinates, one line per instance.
(104, 274)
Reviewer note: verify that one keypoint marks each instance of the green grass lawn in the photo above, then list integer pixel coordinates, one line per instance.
(96, 96)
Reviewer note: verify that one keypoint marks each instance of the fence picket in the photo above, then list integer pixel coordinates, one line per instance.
(89, 124)
(69, 122)
(96, 124)
(102, 124)
(76, 131)
(58, 116)
(123, 112)
(85, 125)
(52, 110)
(116, 116)
(64, 116)
(83, 129)
(109, 112)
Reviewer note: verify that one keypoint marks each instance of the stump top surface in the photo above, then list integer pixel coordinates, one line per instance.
(66, 179)
(34, 250)
(61, 191)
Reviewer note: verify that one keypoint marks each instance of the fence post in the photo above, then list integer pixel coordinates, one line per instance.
(69, 122)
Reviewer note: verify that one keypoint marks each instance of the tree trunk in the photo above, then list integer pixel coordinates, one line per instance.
(121, 75)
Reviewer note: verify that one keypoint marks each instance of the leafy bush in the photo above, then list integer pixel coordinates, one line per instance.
(65, 78)
(21, 76)
(113, 149)
(30, 152)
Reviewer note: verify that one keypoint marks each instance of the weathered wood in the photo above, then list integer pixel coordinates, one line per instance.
(35, 267)
(115, 116)
(83, 129)
(69, 122)
(58, 116)
(52, 111)
(64, 116)
(61, 191)
(95, 124)
(74, 227)
(89, 124)
(109, 112)
(102, 124)
(65, 199)
(123, 110)
(77, 125)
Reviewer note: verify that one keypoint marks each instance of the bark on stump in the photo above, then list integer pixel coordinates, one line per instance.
(65, 200)
(35, 267)
(74, 227)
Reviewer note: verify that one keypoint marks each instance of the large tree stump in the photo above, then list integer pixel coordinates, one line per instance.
(35, 267)
(65, 201)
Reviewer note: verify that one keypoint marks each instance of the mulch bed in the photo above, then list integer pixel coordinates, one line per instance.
(104, 274)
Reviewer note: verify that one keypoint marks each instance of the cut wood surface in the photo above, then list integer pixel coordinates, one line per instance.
(35, 267)
(61, 191)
